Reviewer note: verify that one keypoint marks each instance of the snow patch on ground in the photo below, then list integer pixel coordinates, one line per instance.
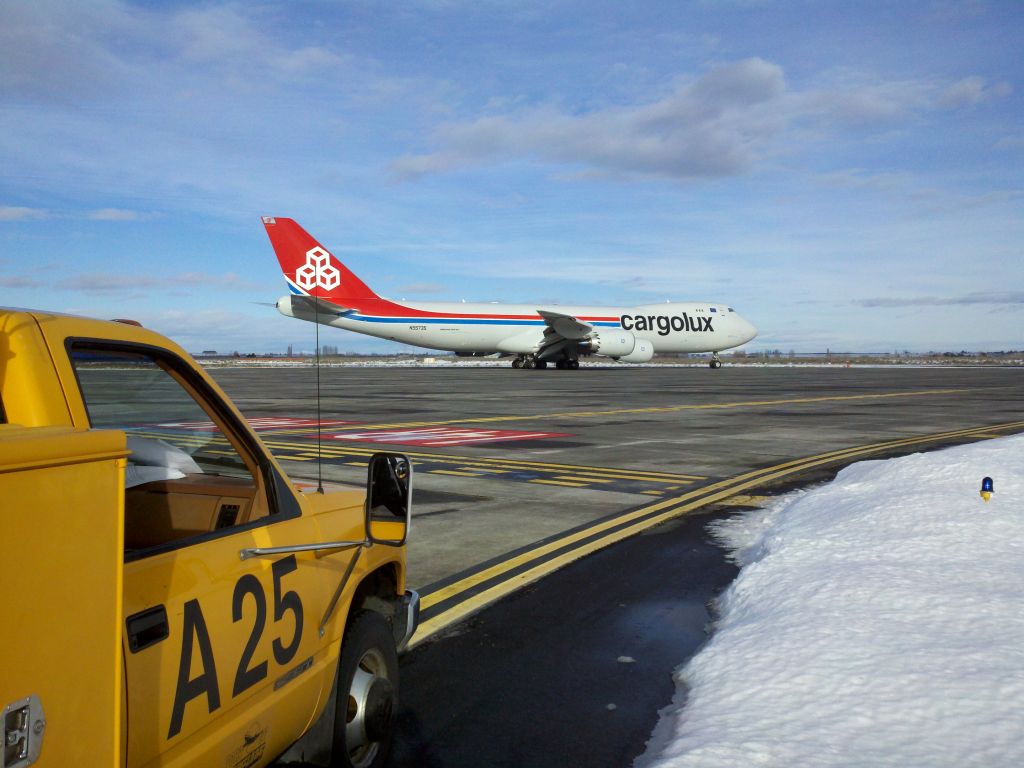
(876, 621)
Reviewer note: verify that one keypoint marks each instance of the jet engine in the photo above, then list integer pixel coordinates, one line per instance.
(642, 352)
(619, 345)
(609, 344)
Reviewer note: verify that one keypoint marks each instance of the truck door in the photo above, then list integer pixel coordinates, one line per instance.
(222, 655)
(60, 530)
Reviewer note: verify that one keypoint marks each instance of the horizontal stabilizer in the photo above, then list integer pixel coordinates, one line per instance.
(310, 305)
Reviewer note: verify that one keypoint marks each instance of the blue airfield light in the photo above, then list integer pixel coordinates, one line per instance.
(986, 488)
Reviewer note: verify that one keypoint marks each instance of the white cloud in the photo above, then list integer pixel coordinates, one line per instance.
(722, 123)
(105, 283)
(115, 214)
(17, 213)
(971, 91)
(986, 298)
(19, 282)
(1011, 142)
(711, 126)
(59, 51)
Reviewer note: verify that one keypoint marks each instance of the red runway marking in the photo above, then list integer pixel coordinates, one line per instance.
(261, 424)
(440, 436)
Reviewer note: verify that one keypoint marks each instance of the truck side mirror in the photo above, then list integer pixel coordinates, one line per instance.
(388, 499)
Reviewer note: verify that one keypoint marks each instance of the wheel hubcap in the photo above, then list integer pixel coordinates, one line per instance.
(370, 709)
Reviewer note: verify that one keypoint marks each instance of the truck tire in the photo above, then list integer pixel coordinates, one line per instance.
(367, 699)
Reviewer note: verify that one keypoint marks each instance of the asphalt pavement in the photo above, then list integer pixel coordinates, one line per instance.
(571, 670)
(559, 519)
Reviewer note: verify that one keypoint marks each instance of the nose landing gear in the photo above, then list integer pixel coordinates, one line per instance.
(716, 361)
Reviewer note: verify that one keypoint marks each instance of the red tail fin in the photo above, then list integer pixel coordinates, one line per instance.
(309, 268)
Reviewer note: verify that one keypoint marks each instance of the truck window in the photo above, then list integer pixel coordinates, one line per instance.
(186, 475)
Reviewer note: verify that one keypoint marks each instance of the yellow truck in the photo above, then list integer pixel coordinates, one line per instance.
(170, 597)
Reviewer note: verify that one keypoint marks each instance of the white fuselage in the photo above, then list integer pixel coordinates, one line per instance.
(518, 329)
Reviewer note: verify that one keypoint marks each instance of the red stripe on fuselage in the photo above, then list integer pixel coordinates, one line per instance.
(385, 308)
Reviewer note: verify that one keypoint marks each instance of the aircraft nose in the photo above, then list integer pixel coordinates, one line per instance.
(747, 330)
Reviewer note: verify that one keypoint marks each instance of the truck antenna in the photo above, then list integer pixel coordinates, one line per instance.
(319, 455)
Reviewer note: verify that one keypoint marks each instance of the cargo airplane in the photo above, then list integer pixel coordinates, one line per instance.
(323, 290)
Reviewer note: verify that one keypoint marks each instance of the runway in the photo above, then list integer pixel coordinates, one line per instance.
(519, 472)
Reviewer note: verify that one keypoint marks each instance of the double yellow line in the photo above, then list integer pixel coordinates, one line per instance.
(451, 600)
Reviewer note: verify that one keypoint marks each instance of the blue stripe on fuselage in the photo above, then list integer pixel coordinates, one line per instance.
(461, 321)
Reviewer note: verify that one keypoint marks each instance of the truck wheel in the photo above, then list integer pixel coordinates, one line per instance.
(367, 693)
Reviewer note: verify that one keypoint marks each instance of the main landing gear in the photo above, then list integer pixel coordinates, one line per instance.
(530, 361)
(716, 361)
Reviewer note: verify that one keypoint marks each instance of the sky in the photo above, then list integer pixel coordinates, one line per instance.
(849, 176)
(876, 621)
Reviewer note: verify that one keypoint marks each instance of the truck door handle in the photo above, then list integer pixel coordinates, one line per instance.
(147, 628)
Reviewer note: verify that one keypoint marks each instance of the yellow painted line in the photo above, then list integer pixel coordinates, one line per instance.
(502, 463)
(506, 465)
(559, 482)
(661, 409)
(583, 478)
(675, 506)
(613, 474)
(452, 472)
(654, 493)
(502, 589)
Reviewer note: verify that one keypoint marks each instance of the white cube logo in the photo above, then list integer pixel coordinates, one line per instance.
(317, 271)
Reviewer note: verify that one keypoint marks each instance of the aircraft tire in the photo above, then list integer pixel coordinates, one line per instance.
(517, 363)
(528, 363)
(561, 365)
(573, 365)
(541, 364)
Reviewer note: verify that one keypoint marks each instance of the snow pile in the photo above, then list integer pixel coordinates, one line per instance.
(877, 621)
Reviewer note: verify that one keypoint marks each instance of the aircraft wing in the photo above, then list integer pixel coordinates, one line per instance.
(565, 326)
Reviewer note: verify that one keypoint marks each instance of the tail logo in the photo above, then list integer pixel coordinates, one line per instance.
(317, 271)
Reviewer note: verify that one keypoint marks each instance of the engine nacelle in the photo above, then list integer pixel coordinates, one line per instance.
(642, 352)
(610, 343)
